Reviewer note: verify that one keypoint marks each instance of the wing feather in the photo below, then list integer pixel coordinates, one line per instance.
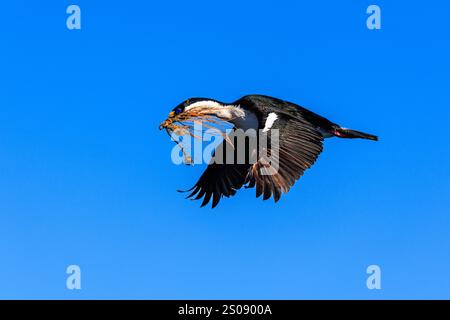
(299, 147)
(300, 144)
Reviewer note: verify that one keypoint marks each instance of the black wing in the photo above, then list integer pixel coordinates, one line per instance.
(299, 147)
(219, 180)
(300, 143)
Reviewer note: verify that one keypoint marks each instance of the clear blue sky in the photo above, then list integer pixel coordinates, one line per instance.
(86, 177)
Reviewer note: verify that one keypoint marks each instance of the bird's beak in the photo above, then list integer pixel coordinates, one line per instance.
(163, 125)
(167, 121)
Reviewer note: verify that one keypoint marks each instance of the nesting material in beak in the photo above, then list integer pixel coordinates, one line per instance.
(183, 124)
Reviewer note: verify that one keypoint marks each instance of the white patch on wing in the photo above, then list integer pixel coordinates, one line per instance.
(270, 121)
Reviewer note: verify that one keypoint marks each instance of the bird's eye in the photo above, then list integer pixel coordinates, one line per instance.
(178, 110)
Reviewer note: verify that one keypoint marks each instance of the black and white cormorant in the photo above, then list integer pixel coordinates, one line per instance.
(301, 134)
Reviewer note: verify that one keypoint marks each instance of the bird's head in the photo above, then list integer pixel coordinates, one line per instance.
(206, 113)
(198, 110)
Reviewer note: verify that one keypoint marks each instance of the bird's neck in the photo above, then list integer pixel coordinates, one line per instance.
(241, 118)
(234, 114)
(229, 112)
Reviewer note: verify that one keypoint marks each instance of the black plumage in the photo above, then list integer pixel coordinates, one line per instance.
(301, 135)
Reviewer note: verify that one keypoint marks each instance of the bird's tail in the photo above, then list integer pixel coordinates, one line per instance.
(352, 134)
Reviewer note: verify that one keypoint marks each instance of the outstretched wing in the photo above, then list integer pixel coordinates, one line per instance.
(299, 145)
(219, 180)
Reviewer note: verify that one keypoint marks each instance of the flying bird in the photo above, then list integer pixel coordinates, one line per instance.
(300, 137)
